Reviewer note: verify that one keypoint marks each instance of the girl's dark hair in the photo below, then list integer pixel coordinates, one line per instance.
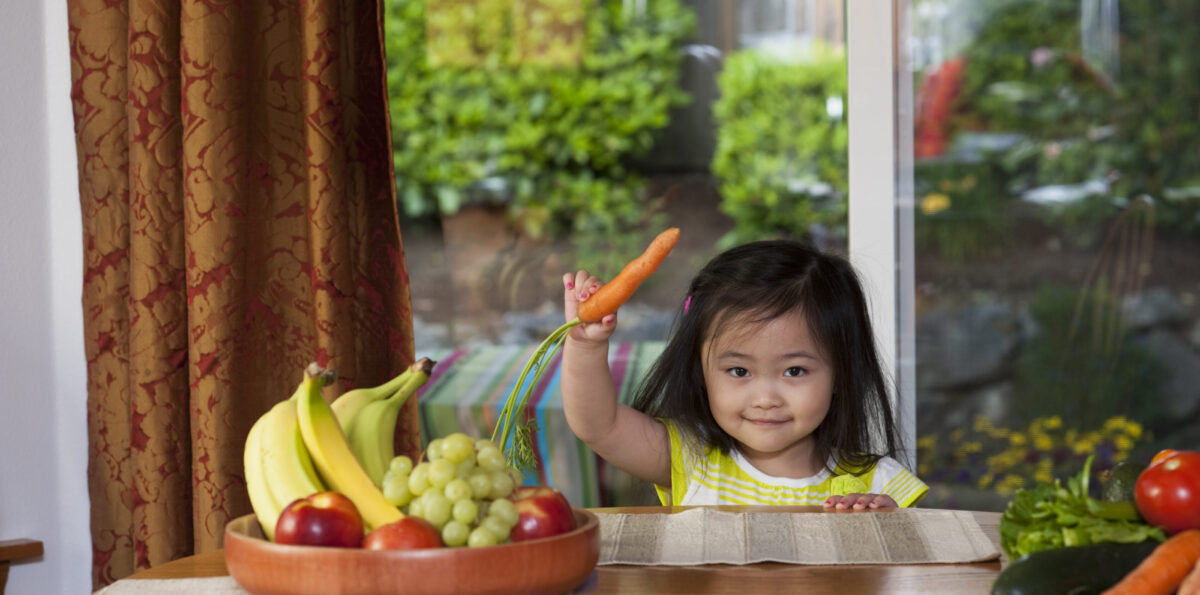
(765, 280)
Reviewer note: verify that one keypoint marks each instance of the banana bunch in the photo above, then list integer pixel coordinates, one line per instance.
(372, 428)
(278, 466)
(331, 452)
(299, 446)
(347, 406)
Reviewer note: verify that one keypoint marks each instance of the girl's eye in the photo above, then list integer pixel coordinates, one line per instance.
(739, 372)
(794, 371)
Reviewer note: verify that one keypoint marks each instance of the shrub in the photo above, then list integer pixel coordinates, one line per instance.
(538, 104)
(781, 155)
(1082, 364)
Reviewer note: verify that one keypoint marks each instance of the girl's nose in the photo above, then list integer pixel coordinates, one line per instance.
(767, 397)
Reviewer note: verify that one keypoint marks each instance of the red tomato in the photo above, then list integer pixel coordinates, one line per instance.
(1168, 492)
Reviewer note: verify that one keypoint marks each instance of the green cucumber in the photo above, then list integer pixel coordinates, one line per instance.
(1119, 481)
(1077, 570)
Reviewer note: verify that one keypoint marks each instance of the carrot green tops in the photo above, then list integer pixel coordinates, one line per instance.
(702, 475)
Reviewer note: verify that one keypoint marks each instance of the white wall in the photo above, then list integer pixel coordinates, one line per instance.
(43, 440)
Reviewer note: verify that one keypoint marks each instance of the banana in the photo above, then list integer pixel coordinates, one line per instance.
(347, 406)
(266, 510)
(372, 433)
(332, 455)
(289, 467)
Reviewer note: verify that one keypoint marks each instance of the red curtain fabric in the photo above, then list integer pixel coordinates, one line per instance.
(239, 222)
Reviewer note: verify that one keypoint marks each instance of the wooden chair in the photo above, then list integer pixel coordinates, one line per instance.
(16, 549)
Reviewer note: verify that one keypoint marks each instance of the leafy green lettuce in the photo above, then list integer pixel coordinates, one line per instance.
(1049, 516)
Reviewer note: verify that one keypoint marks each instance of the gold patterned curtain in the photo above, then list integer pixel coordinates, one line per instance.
(239, 221)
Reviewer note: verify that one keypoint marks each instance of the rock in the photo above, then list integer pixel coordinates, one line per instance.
(939, 412)
(1151, 308)
(966, 346)
(1180, 393)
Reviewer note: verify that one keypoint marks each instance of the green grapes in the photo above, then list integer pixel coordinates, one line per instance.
(455, 533)
(481, 537)
(465, 511)
(458, 489)
(462, 488)
(441, 471)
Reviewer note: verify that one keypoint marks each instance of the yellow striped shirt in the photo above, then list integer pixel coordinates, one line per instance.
(705, 475)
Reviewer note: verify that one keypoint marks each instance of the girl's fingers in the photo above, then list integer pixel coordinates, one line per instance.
(586, 285)
(883, 501)
(578, 287)
(860, 502)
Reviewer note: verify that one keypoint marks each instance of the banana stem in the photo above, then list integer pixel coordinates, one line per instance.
(517, 399)
(418, 374)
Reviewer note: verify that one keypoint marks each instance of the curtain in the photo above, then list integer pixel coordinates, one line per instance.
(239, 222)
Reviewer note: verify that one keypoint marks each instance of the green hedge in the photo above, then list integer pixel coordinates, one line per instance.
(509, 104)
(781, 156)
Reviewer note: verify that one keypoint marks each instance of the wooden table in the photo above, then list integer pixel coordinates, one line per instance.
(14, 550)
(766, 577)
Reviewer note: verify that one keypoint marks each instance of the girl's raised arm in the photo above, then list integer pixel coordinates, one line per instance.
(623, 436)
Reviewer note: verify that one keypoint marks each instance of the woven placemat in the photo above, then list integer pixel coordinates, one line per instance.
(710, 536)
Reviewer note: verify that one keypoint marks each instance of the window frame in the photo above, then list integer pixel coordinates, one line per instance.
(880, 181)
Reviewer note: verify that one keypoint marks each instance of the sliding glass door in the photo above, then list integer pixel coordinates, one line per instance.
(1048, 206)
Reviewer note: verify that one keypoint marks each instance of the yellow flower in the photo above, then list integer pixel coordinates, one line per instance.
(1017, 440)
(1043, 442)
(934, 202)
(1054, 422)
(1133, 429)
(986, 480)
(1115, 423)
(1009, 484)
(972, 447)
(982, 423)
(1124, 444)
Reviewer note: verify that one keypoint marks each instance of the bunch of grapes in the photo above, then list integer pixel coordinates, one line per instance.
(462, 489)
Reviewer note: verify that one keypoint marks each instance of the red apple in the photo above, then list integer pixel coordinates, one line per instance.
(323, 518)
(542, 511)
(408, 533)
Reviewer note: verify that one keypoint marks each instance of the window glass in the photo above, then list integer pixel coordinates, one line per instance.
(1057, 232)
(535, 137)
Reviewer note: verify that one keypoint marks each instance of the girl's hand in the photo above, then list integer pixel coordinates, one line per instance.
(854, 502)
(578, 287)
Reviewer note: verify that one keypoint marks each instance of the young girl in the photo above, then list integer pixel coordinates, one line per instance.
(769, 390)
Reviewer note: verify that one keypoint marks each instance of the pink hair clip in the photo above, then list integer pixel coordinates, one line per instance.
(687, 303)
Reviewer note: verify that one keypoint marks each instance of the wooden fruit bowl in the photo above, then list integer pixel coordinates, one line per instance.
(555, 564)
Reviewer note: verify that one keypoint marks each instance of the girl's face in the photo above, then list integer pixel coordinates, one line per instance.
(770, 386)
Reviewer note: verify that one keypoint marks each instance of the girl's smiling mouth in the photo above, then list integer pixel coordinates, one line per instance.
(766, 421)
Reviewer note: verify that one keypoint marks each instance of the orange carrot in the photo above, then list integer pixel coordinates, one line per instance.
(514, 439)
(1191, 582)
(614, 293)
(1164, 569)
